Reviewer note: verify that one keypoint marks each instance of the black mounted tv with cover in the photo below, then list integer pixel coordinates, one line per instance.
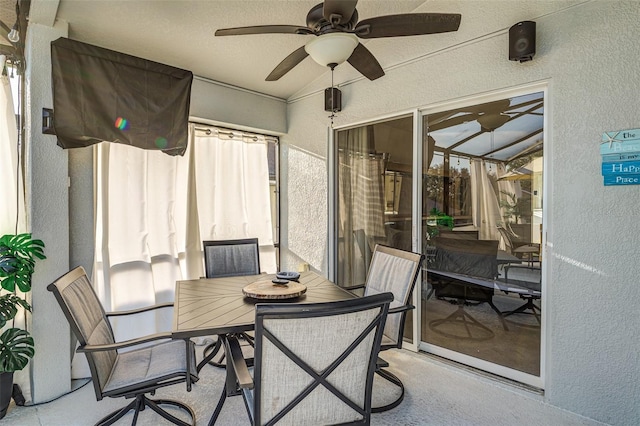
(103, 95)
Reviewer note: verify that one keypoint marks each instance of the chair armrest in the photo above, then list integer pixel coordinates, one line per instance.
(399, 309)
(140, 310)
(235, 358)
(125, 343)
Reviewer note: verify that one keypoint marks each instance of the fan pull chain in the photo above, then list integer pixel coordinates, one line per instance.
(333, 111)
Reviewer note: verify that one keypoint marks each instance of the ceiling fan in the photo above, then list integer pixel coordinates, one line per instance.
(490, 115)
(336, 25)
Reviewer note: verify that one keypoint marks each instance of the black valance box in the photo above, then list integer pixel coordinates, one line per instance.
(102, 95)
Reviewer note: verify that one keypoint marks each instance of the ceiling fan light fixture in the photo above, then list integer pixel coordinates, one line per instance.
(14, 35)
(332, 48)
(492, 121)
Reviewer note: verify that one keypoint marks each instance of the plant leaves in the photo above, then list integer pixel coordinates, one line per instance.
(16, 348)
(17, 260)
(9, 307)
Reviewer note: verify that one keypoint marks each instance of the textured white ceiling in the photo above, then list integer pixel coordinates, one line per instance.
(8, 16)
(181, 33)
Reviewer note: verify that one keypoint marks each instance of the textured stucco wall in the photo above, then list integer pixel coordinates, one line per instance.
(237, 107)
(588, 55)
(47, 194)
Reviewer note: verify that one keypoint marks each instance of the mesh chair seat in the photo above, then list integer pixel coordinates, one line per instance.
(147, 366)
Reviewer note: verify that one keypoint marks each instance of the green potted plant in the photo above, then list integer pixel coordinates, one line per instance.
(436, 221)
(18, 254)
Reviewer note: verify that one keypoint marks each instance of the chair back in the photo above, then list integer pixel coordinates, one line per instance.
(314, 363)
(476, 258)
(396, 271)
(88, 322)
(229, 258)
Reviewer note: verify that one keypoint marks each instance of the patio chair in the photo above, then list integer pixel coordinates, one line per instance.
(130, 374)
(314, 362)
(531, 251)
(396, 271)
(229, 258)
(463, 273)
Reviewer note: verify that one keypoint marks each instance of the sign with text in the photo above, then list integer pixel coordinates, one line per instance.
(620, 151)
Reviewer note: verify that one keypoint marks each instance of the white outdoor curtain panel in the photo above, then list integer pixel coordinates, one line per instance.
(153, 211)
(506, 187)
(12, 212)
(484, 202)
(12, 217)
(361, 200)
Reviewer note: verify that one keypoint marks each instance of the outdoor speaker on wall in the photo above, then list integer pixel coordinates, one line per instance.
(522, 41)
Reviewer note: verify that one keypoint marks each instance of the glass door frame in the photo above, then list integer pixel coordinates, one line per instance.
(509, 373)
(418, 113)
(416, 209)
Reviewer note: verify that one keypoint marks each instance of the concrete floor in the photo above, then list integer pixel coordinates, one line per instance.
(436, 394)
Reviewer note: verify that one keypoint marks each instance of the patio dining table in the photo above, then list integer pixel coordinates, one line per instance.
(208, 306)
(218, 306)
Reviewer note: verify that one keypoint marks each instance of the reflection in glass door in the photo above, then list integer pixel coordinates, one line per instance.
(374, 196)
(480, 226)
(482, 233)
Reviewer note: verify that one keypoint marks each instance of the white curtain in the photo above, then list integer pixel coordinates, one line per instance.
(361, 201)
(153, 211)
(485, 207)
(232, 180)
(12, 213)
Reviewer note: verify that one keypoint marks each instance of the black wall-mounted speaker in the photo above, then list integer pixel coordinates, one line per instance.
(522, 41)
(332, 99)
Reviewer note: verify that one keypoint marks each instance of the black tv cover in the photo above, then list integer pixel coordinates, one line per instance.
(102, 95)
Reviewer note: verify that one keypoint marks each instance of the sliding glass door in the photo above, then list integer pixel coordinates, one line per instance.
(374, 202)
(482, 204)
(476, 213)
(374, 195)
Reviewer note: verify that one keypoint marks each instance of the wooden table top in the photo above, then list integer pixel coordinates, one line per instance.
(209, 306)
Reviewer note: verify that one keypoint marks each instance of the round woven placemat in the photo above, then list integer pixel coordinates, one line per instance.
(265, 289)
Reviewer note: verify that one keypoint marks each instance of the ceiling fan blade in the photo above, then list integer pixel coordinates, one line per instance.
(407, 24)
(264, 29)
(287, 64)
(364, 61)
(338, 11)
(454, 121)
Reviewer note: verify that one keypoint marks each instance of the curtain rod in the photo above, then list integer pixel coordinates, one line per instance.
(383, 155)
(232, 133)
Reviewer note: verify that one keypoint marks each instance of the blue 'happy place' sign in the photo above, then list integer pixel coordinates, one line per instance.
(620, 153)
